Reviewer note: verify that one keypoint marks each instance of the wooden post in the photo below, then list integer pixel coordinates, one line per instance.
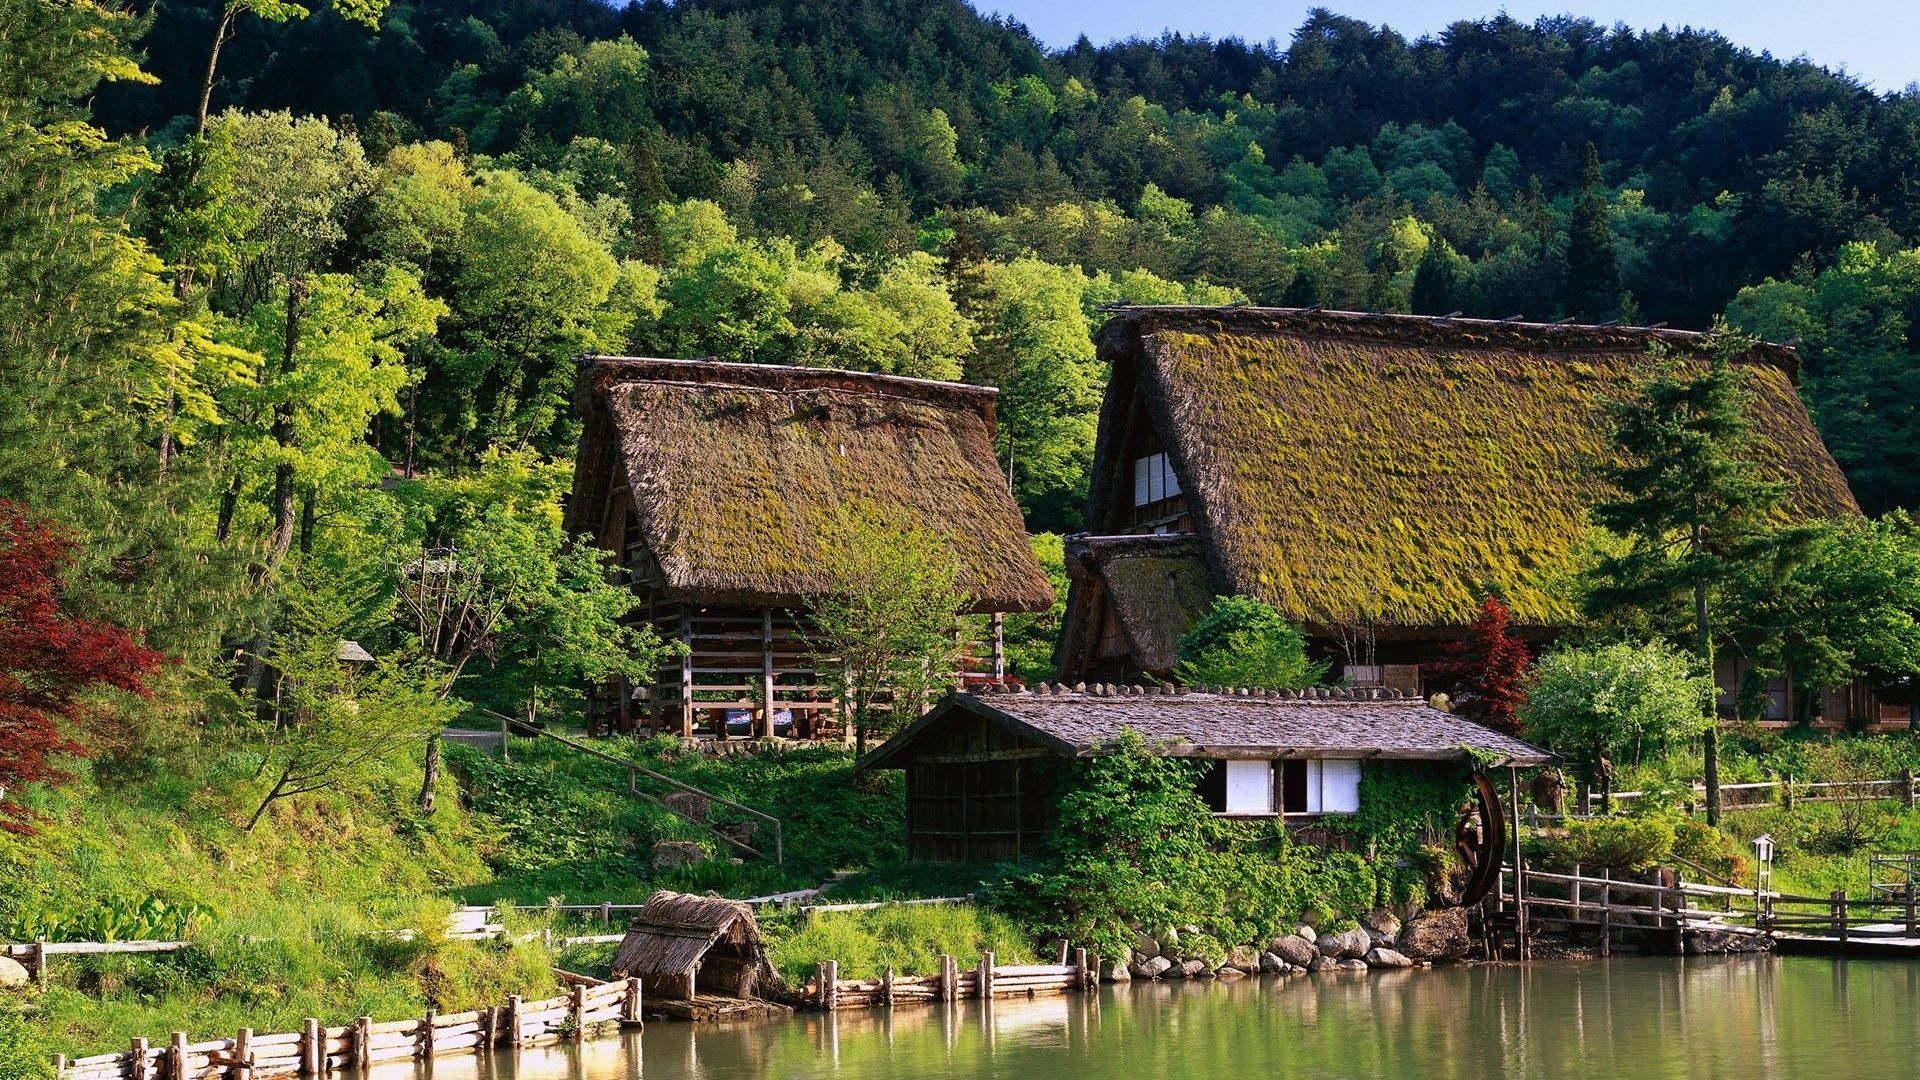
(1576, 892)
(630, 1005)
(1606, 912)
(1839, 899)
(830, 984)
(986, 975)
(504, 733)
(1519, 869)
(177, 1057)
(40, 961)
(886, 986)
(363, 1042)
(511, 1022)
(686, 675)
(764, 726)
(820, 984)
(426, 1032)
(999, 646)
(137, 1059)
(1080, 978)
(1786, 793)
(59, 1066)
(1060, 951)
(1907, 787)
(577, 1011)
(310, 1055)
(949, 978)
(243, 1054)
(606, 911)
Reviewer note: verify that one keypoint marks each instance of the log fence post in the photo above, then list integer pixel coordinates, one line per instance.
(606, 912)
(40, 961)
(1786, 793)
(830, 984)
(1907, 787)
(1606, 912)
(986, 975)
(310, 1049)
(1839, 906)
(363, 1042)
(512, 1021)
(504, 759)
(1079, 969)
(949, 978)
(177, 1057)
(426, 1032)
(59, 1065)
(630, 1005)
(243, 1054)
(886, 986)
(137, 1059)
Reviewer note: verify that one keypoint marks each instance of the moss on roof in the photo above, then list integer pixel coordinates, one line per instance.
(740, 474)
(1349, 468)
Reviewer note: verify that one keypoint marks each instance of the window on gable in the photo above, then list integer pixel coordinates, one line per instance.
(1153, 480)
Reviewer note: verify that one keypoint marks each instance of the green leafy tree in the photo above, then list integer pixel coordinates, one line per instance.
(1593, 262)
(886, 619)
(1693, 505)
(1242, 642)
(1598, 703)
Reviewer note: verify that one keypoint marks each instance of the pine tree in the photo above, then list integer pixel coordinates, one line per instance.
(1693, 504)
(1593, 269)
(1434, 281)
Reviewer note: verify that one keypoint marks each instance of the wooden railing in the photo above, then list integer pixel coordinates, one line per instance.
(316, 1050)
(826, 990)
(635, 770)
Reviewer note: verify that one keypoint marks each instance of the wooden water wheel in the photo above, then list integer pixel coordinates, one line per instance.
(1480, 840)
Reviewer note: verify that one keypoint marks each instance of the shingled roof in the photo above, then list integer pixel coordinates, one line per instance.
(740, 475)
(1358, 468)
(1226, 724)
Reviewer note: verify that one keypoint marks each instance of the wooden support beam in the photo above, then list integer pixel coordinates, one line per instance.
(763, 726)
(686, 675)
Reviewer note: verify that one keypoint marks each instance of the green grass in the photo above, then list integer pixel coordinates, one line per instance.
(911, 939)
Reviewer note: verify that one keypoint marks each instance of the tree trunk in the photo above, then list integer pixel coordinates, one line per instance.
(430, 774)
(222, 31)
(1710, 746)
(229, 502)
(261, 810)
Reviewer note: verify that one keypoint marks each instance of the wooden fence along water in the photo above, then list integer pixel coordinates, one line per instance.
(826, 990)
(316, 1050)
(1784, 792)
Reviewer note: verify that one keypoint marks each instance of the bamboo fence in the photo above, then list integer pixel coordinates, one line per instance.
(826, 990)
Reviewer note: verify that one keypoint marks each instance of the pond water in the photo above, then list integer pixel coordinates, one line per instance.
(1647, 1017)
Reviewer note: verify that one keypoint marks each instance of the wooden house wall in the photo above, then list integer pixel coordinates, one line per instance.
(978, 793)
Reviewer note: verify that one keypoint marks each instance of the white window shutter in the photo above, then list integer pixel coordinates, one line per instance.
(1341, 786)
(1249, 787)
(1142, 481)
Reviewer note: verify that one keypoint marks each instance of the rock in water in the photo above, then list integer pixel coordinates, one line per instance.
(1355, 944)
(1152, 967)
(1387, 958)
(1114, 971)
(1350, 964)
(1329, 945)
(1436, 936)
(1272, 964)
(1228, 973)
(673, 854)
(1196, 969)
(1322, 963)
(1293, 950)
(13, 974)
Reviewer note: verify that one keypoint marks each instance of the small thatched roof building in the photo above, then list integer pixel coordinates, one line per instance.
(724, 491)
(1361, 470)
(681, 947)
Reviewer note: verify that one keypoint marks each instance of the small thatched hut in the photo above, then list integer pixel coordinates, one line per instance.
(722, 489)
(1373, 477)
(682, 947)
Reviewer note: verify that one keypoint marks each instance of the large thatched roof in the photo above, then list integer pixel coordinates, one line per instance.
(1354, 468)
(1223, 724)
(740, 475)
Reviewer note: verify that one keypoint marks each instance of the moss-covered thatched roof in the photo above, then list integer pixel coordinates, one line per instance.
(1154, 586)
(741, 475)
(1354, 468)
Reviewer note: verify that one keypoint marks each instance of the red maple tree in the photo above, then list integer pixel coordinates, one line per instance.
(1485, 673)
(50, 661)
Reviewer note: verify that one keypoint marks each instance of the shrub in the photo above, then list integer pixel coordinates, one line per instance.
(1615, 843)
(1626, 696)
(1243, 642)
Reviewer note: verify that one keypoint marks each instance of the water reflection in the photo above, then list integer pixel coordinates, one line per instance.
(1707, 1017)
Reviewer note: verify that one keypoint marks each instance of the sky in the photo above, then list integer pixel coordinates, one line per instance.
(1878, 41)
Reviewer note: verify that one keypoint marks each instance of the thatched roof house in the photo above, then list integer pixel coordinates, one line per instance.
(1361, 470)
(736, 476)
(682, 946)
(724, 490)
(983, 778)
